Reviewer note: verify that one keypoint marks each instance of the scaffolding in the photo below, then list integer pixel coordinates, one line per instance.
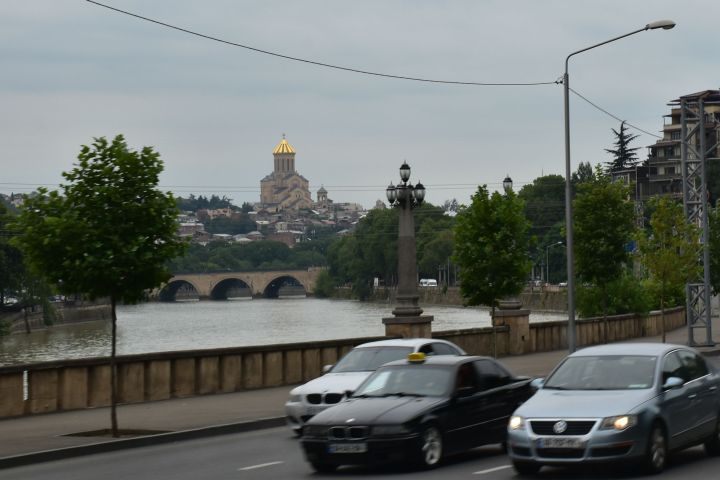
(697, 127)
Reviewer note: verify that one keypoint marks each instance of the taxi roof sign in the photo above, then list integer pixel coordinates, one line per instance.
(416, 357)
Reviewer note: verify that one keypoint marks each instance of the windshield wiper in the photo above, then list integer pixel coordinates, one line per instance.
(403, 394)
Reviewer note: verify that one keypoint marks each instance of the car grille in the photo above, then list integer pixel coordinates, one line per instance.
(348, 433)
(328, 398)
(561, 452)
(574, 427)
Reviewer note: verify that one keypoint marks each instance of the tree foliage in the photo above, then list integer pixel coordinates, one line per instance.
(491, 247)
(670, 250)
(603, 230)
(623, 156)
(108, 234)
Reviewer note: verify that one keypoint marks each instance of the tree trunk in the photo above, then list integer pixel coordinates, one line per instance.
(27, 320)
(662, 317)
(494, 334)
(113, 373)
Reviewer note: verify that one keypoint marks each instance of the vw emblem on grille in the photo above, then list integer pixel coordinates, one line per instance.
(560, 427)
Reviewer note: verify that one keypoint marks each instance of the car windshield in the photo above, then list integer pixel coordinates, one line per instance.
(369, 359)
(407, 380)
(604, 372)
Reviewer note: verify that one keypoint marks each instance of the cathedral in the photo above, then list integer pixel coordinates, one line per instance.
(285, 188)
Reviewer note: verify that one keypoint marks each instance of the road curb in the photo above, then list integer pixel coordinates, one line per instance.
(159, 439)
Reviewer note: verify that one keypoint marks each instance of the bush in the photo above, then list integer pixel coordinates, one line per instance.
(675, 297)
(324, 286)
(625, 295)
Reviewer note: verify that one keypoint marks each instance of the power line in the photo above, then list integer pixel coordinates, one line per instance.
(320, 64)
(614, 116)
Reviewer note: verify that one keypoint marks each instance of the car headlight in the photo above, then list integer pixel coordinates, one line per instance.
(295, 398)
(315, 430)
(516, 423)
(390, 430)
(621, 422)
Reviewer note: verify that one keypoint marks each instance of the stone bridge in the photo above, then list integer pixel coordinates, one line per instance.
(224, 285)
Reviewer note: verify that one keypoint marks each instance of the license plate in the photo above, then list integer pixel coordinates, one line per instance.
(347, 448)
(560, 442)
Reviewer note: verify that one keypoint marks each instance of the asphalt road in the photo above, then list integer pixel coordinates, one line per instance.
(275, 454)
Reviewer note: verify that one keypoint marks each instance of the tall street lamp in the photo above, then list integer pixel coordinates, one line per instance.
(665, 25)
(408, 319)
(547, 260)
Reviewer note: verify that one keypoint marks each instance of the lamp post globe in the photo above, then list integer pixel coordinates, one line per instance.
(507, 183)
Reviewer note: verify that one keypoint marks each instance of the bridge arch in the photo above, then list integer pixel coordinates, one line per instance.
(231, 288)
(284, 286)
(179, 290)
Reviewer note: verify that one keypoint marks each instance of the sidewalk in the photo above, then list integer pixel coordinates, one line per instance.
(38, 438)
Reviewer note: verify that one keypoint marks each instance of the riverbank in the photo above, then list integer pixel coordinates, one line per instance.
(62, 313)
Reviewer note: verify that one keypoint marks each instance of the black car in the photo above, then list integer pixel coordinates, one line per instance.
(419, 409)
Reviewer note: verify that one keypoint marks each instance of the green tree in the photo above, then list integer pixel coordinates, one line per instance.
(324, 285)
(670, 250)
(584, 173)
(11, 261)
(604, 228)
(108, 235)
(544, 203)
(714, 245)
(491, 248)
(623, 157)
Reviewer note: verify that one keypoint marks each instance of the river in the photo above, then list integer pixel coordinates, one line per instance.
(158, 327)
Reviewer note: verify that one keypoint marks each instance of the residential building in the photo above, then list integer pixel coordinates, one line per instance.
(665, 156)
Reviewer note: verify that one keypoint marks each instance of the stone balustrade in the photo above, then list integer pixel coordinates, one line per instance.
(85, 383)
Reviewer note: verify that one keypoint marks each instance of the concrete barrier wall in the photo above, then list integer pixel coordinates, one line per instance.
(85, 383)
(75, 384)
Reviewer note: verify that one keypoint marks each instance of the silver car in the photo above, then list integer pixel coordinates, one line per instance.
(618, 402)
(323, 392)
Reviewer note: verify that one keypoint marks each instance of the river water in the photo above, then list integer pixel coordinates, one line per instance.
(159, 327)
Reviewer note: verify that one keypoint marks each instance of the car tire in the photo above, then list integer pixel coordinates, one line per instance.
(526, 468)
(430, 448)
(324, 467)
(712, 444)
(656, 454)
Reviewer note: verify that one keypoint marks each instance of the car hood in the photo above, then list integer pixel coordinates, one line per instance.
(332, 382)
(373, 411)
(583, 403)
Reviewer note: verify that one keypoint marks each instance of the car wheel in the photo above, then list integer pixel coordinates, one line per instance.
(323, 467)
(526, 468)
(712, 445)
(431, 447)
(656, 453)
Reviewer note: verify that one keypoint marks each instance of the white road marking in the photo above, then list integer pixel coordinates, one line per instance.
(491, 470)
(262, 465)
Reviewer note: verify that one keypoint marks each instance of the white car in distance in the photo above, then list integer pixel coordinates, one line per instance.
(323, 392)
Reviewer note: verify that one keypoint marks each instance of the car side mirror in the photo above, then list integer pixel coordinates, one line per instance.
(326, 368)
(537, 383)
(673, 383)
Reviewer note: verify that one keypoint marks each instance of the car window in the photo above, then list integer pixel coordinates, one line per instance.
(693, 364)
(368, 359)
(466, 377)
(604, 372)
(673, 367)
(407, 380)
(490, 375)
(427, 349)
(444, 349)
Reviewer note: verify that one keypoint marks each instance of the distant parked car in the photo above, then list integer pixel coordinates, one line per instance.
(428, 282)
(417, 410)
(624, 402)
(323, 392)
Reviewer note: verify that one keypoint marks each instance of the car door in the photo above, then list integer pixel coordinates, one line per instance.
(677, 405)
(704, 393)
(467, 409)
(500, 399)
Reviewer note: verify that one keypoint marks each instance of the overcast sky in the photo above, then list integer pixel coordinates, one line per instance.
(72, 70)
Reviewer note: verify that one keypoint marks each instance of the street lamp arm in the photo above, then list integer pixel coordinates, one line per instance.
(646, 27)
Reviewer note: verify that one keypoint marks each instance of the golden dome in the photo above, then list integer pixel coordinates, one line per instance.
(283, 147)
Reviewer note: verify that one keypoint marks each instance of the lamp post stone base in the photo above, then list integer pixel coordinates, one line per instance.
(408, 327)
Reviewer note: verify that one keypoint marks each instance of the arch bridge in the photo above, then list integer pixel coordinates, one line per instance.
(228, 285)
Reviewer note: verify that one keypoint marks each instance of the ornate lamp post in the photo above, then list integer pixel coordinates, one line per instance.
(408, 320)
